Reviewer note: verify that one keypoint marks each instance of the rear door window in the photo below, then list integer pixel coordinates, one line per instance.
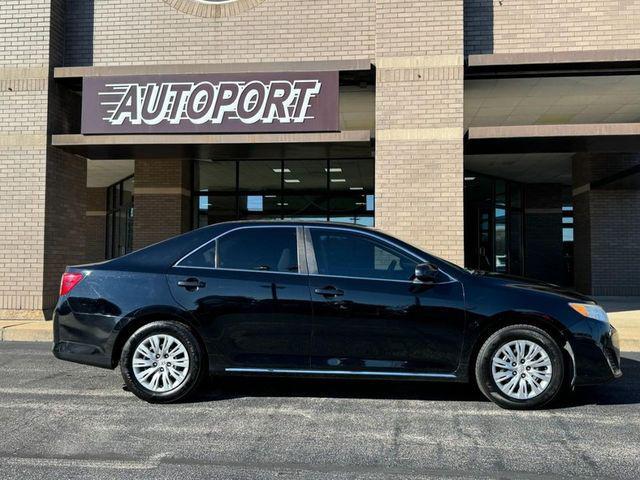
(261, 249)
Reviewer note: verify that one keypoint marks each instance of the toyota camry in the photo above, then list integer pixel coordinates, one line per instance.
(304, 299)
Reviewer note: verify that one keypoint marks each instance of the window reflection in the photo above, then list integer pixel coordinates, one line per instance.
(336, 190)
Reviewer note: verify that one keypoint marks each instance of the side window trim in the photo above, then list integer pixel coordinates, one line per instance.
(311, 254)
(301, 253)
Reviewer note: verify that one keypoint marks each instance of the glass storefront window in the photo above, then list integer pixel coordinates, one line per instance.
(119, 228)
(335, 190)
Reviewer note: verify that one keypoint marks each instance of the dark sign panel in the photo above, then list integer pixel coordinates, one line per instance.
(221, 103)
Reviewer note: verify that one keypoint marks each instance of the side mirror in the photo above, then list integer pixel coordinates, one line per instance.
(426, 272)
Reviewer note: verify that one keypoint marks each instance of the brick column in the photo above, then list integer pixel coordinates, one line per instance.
(41, 188)
(162, 200)
(419, 123)
(96, 223)
(606, 226)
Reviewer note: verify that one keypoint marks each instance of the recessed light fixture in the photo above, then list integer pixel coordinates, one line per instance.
(280, 170)
(333, 170)
(270, 196)
(469, 179)
(291, 180)
(338, 180)
(360, 203)
(356, 188)
(283, 204)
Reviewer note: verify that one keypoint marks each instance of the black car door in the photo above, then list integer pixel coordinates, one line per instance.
(248, 290)
(369, 314)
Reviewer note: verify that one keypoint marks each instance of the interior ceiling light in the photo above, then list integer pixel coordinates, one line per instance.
(333, 170)
(280, 170)
(356, 188)
(338, 180)
(291, 180)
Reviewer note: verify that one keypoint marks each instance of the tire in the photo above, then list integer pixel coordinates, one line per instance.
(540, 377)
(154, 378)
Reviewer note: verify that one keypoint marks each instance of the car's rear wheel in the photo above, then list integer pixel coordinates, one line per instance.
(162, 362)
(520, 367)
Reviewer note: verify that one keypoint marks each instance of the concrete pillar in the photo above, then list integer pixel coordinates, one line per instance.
(419, 124)
(96, 223)
(543, 232)
(162, 200)
(606, 225)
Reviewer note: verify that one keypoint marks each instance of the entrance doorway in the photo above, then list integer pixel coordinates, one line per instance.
(494, 226)
(119, 229)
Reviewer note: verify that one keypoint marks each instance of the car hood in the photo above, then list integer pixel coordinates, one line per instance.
(530, 284)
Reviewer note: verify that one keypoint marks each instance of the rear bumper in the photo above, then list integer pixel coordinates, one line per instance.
(87, 340)
(597, 356)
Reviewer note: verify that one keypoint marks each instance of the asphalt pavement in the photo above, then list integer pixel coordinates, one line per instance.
(61, 420)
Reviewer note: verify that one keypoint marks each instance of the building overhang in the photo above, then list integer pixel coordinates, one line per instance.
(350, 143)
(547, 64)
(305, 66)
(612, 137)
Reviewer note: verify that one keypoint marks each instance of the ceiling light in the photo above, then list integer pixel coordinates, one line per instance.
(270, 196)
(280, 170)
(360, 203)
(291, 180)
(356, 188)
(283, 204)
(333, 170)
(338, 180)
(469, 179)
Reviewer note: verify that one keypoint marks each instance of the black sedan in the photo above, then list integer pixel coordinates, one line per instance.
(325, 300)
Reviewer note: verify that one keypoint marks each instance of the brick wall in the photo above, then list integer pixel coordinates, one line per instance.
(152, 32)
(509, 26)
(607, 227)
(41, 189)
(419, 115)
(162, 200)
(24, 62)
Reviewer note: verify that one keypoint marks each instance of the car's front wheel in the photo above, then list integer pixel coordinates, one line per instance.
(520, 367)
(162, 362)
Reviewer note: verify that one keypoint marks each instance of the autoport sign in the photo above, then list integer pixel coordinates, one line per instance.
(226, 103)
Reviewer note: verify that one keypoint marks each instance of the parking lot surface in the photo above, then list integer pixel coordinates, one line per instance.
(64, 420)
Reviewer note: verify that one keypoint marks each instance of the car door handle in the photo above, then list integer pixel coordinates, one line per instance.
(191, 284)
(329, 292)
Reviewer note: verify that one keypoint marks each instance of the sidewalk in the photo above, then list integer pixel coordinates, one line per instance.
(624, 314)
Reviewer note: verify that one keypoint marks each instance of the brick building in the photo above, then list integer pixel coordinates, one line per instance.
(497, 134)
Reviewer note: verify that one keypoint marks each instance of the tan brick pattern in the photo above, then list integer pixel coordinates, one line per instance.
(499, 26)
(162, 200)
(95, 224)
(419, 114)
(121, 32)
(41, 189)
(211, 10)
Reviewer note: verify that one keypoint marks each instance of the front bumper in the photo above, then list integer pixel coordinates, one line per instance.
(597, 355)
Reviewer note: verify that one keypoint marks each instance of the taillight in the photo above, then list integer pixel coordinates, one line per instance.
(69, 281)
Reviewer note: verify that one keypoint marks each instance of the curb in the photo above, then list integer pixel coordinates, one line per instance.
(26, 331)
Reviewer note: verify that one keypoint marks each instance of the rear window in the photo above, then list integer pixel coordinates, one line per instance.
(270, 249)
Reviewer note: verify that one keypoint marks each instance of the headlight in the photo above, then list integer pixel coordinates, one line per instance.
(591, 311)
